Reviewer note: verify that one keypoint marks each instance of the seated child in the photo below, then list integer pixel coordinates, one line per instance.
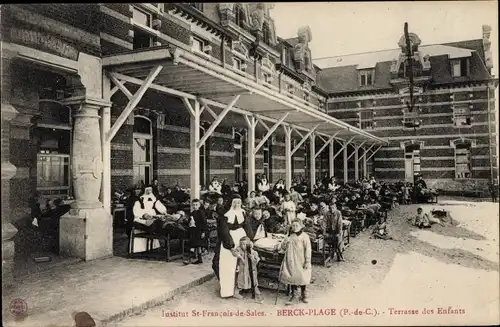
(421, 220)
(246, 278)
(380, 230)
(296, 266)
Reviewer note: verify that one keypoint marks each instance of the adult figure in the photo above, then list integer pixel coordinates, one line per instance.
(332, 185)
(257, 224)
(263, 185)
(156, 188)
(280, 186)
(232, 227)
(215, 186)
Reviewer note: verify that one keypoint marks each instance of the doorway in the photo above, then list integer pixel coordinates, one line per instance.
(412, 162)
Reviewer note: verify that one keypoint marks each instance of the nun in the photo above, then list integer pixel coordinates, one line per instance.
(231, 228)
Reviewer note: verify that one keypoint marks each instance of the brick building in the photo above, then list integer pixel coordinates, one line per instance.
(97, 97)
(450, 135)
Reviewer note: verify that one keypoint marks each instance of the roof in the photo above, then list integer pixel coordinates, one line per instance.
(340, 73)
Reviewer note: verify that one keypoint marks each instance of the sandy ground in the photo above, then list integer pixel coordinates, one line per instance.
(445, 275)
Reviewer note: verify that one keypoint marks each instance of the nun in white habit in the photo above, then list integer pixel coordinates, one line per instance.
(232, 227)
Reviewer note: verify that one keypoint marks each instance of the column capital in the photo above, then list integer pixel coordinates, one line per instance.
(8, 170)
(23, 118)
(88, 102)
(9, 112)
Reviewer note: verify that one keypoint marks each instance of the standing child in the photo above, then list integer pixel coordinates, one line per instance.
(197, 231)
(246, 278)
(296, 265)
(289, 210)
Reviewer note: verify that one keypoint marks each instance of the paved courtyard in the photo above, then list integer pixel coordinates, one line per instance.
(425, 270)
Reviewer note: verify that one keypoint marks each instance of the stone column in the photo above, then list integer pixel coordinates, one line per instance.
(8, 112)
(86, 231)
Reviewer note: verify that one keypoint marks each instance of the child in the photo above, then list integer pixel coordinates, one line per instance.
(421, 220)
(289, 210)
(296, 265)
(197, 230)
(246, 277)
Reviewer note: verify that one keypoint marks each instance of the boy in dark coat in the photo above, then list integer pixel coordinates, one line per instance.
(197, 231)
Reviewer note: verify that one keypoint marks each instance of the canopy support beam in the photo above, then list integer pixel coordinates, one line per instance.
(132, 102)
(251, 124)
(356, 147)
(270, 132)
(288, 157)
(373, 153)
(366, 152)
(304, 138)
(327, 142)
(332, 159)
(312, 159)
(194, 149)
(216, 123)
(344, 146)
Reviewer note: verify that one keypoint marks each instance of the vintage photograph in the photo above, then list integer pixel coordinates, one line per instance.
(250, 164)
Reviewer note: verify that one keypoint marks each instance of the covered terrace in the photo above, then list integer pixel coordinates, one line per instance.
(213, 92)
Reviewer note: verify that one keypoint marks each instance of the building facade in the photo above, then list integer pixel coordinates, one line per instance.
(65, 135)
(448, 135)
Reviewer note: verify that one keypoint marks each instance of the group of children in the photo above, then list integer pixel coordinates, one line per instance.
(295, 269)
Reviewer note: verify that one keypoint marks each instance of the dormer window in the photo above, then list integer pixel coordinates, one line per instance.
(197, 5)
(239, 64)
(143, 31)
(460, 67)
(200, 45)
(266, 35)
(307, 96)
(366, 77)
(160, 6)
(239, 16)
(268, 78)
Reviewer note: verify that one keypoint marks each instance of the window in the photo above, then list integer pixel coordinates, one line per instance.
(239, 64)
(411, 118)
(201, 45)
(462, 116)
(460, 67)
(239, 16)
(268, 78)
(142, 150)
(160, 6)
(197, 5)
(366, 77)
(406, 68)
(267, 158)
(53, 161)
(290, 88)
(142, 22)
(366, 119)
(462, 160)
(203, 160)
(266, 34)
(412, 161)
(307, 96)
(238, 156)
